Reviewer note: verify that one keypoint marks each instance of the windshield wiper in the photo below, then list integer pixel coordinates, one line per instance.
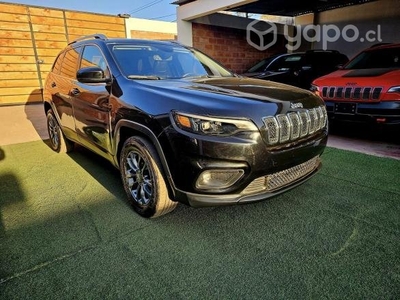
(144, 77)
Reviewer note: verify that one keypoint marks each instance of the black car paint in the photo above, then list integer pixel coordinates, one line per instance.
(300, 72)
(146, 106)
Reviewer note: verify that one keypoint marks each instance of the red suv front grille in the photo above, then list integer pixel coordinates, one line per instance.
(352, 93)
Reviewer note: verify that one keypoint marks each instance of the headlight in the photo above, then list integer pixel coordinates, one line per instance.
(394, 89)
(211, 125)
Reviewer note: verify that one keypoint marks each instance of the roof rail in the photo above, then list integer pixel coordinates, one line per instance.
(88, 37)
(322, 50)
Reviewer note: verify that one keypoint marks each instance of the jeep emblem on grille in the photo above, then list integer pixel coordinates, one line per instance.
(296, 105)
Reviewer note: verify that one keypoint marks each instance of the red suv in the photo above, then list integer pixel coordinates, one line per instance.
(366, 89)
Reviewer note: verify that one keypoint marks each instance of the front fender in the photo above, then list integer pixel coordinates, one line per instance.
(141, 130)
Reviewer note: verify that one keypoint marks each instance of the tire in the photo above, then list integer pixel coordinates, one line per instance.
(143, 181)
(58, 142)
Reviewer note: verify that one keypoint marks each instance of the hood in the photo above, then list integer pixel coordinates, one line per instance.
(361, 77)
(239, 87)
(237, 97)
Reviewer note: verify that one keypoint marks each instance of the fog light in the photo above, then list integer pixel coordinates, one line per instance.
(218, 179)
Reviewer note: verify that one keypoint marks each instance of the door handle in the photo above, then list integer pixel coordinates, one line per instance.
(75, 92)
(53, 84)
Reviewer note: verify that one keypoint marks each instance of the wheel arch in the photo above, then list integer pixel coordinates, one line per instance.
(50, 105)
(46, 106)
(125, 129)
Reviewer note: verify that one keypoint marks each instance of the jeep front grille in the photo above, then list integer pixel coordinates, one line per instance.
(352, 93)
(292, 126)
(283, 178)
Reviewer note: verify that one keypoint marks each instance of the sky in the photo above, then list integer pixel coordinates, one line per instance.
(161, 10)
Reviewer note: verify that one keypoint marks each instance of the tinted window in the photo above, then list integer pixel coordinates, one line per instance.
(93, 57)
(261, 65)
(324, 60)
(285, 63)
(57, 63)
(69, 63)
(379, 58)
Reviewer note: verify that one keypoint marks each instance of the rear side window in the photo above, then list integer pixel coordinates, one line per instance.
(57, 63)
(69, 63)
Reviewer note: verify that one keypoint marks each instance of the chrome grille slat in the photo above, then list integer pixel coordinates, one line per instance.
(295, 120)
(289, 127)
(321, 118)
(366, 93)
(357, 93)
(273, 130)
(339, 92)
(282, 178)
(324, 91)
(376, 93)
(348, 93)
(284, 128)
(305, 120)
(331, 92)
(313, 120)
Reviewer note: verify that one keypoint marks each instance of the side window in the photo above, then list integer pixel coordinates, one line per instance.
(285, 63)
(57, 63)
(69, 63)
(92, 57)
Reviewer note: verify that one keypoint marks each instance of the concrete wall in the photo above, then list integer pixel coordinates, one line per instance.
(150, 29)
(382, 17)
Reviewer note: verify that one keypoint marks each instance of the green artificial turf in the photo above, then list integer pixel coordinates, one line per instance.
(67, 232)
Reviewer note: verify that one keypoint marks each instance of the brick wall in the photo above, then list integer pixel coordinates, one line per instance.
(138, 34)
(229, 46)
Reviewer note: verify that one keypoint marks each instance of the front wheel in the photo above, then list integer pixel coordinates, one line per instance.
(58, 142)
(143, 181)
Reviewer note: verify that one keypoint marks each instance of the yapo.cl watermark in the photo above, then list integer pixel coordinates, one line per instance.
(258, 34)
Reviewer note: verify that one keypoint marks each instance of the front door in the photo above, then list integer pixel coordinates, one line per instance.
(91, 105)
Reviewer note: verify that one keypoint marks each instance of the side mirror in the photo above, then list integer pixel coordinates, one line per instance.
(92, 75)
(339, 67)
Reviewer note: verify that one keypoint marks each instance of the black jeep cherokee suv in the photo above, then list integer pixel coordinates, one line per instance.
(179, 126)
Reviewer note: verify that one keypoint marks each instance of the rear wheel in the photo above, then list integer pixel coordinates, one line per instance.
(58, 142)
(142, 179)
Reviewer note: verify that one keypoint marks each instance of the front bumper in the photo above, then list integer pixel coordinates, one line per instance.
(267, 171)
(258, 189)
(386, 112)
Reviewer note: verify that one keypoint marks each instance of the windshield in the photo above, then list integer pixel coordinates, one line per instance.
(379, 58)
(261, 65)
(161, 61)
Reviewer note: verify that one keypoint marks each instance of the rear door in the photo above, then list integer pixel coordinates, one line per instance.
(59, 83)
(91, 105)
